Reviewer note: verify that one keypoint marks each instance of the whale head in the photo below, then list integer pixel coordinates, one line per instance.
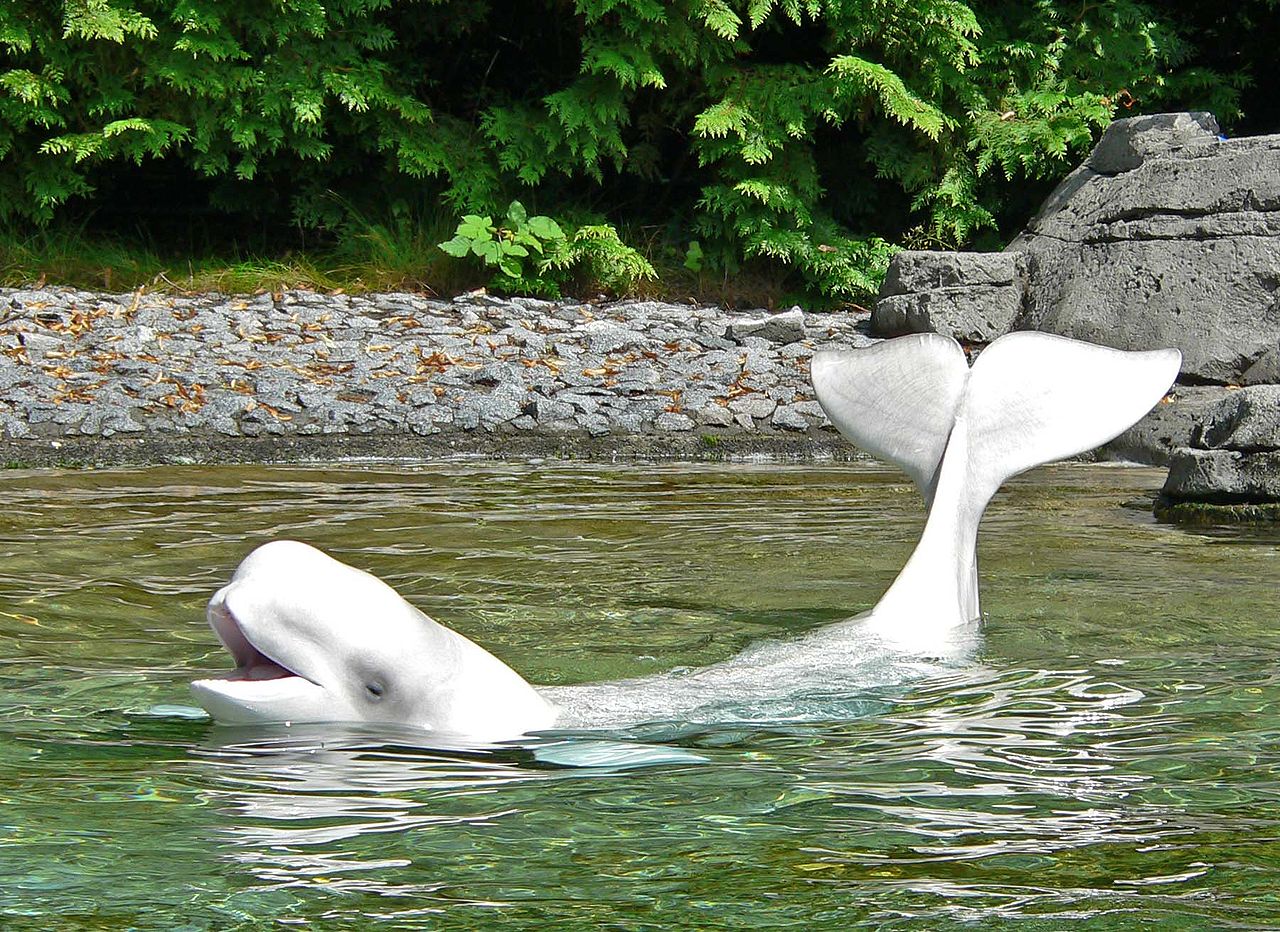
(315, 640)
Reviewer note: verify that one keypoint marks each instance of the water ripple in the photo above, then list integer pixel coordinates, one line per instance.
(1110, 757)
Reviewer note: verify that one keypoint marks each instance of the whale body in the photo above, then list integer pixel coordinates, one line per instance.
(316, 640)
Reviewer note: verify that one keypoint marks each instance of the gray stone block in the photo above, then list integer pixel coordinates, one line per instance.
(671, 421)
(786, 327)
(1265, 370)
(913, 271)
(789, 417)
(1223, 476)
(753, 405)
(1247, 420)
(606, 336)
(971, 314)
(715, 415)
(564, 406)
(636, 416)
(596, 425)
(37, 341)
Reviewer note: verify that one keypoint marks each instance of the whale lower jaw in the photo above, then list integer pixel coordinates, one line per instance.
(240, 701)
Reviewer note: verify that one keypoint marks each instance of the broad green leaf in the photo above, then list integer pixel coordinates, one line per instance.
(488, 250)
(545, 228)
(530, 241)
(475, 227)
(458, 246)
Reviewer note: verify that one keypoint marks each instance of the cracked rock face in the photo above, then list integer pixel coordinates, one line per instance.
(1223, 477)
(972, 296)
(1167, 236)
(1234, 454)
(1247, 420)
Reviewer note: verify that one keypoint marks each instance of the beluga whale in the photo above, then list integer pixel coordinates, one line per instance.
(315, 640)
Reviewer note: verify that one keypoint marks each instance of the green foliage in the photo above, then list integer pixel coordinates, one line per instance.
(506, 247)
(693, 256)
(596, 255)
(532, 255)
(811, 136)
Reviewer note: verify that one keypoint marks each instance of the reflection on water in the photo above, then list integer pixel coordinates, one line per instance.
(1111, 754)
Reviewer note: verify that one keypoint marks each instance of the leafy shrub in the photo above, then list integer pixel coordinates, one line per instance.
(505, 247)
(532, 255)
(595, 255)
(807, 134)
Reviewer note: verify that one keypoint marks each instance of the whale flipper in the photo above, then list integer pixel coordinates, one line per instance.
(1030, 398)
(896, 400)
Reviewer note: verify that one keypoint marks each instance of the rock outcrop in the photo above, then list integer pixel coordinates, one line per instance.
(972, 296)
(1232, 468)
(1167, 235)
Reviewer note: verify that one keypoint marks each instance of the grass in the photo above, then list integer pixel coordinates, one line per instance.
(97, 262)
(366, 256)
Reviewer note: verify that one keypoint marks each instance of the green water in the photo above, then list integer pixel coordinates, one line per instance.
(1112, 754)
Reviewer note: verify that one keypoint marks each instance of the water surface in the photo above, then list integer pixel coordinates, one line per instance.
(1111, 754)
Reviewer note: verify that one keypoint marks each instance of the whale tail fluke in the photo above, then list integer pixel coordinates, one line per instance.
(1029, 399)
(896, 400)
(1033, 398)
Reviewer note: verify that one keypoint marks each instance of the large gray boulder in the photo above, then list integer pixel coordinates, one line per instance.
(1223, 477)
(1247, 420)
(1129, 142)
(1167, 236)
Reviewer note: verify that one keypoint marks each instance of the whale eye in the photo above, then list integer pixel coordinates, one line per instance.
(375, 689)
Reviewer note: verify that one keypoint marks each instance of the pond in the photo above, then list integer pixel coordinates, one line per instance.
(1111, 752)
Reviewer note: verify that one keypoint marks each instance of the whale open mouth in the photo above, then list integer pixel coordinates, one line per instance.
(260, 689)
(251, 662)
